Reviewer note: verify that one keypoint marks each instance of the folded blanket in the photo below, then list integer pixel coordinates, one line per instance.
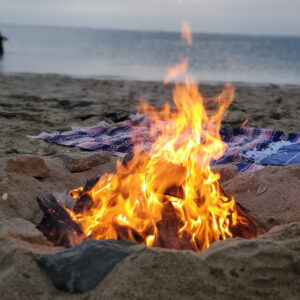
(249, 148)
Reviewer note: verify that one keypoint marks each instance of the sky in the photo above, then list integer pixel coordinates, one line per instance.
(276, 17)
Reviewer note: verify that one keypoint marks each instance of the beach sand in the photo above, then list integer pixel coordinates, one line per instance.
(30, 104)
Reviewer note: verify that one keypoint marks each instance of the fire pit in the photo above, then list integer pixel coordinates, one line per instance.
(167, 197)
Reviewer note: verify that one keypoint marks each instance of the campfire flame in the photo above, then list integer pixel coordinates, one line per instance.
(173, 185)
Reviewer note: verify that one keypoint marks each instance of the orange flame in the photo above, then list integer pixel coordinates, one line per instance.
(245, 122)
(175, 174)
(175, 71)
(186, 34)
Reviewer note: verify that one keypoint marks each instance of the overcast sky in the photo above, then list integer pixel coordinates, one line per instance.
(280, 17)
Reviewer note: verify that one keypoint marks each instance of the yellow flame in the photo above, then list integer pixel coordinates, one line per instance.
(174, 176)
(186, 140)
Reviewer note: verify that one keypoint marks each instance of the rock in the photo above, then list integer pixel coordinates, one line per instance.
(82, 161)
(226, 171)
(20, 275)
(81, 268)
(264, 268)
(23, 189)
(31, 165)
(270, 195)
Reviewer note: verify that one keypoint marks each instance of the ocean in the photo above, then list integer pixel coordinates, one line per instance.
(145, 55)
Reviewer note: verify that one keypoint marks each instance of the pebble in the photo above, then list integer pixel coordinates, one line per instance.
(261, 189)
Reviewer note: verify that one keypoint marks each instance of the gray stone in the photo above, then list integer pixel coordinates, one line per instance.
(81, 268)
(264, 268)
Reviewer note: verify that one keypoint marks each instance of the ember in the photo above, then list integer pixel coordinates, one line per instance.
(168, 197)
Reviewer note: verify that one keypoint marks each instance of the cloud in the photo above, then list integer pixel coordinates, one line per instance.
(244, 16)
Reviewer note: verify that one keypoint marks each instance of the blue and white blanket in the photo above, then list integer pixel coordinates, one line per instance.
(249, 148)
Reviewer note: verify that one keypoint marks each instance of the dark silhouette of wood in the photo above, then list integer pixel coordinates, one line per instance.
(57, 225)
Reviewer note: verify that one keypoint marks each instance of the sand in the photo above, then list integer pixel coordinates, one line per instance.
(30, 104)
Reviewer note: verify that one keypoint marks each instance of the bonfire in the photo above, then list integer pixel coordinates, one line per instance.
(167, 196)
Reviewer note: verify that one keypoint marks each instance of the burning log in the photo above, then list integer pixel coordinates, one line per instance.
(57, 225)
(248, 230)
(84, 201)
(167, 229)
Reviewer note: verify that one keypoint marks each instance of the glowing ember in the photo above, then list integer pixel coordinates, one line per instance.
(245, 122)
(173, 183)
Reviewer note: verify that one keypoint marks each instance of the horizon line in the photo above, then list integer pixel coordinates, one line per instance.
(152, 30)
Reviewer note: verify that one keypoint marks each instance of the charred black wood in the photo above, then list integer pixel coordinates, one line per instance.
(246, 227)
(90, 184)
(167, 231)
(83, 203)
(84, 200)
(127, 233)
(56, 224)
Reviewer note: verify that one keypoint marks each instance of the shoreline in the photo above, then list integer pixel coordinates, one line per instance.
(153, 81)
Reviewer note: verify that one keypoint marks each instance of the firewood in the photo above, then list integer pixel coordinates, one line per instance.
(56, 224)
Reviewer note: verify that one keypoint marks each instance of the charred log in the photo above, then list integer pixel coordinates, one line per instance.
(59, 228)
(167, 231)
(249, 228)
(56, 224)
(84, 201)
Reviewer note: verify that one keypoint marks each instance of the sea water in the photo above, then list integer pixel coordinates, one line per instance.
(142, 55)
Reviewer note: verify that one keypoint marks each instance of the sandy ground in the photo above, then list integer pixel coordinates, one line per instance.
(34, 103)
(30, 104)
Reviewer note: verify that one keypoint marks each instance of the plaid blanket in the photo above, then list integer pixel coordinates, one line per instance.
(249, 148)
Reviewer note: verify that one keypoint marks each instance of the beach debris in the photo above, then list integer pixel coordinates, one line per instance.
(28, 164)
